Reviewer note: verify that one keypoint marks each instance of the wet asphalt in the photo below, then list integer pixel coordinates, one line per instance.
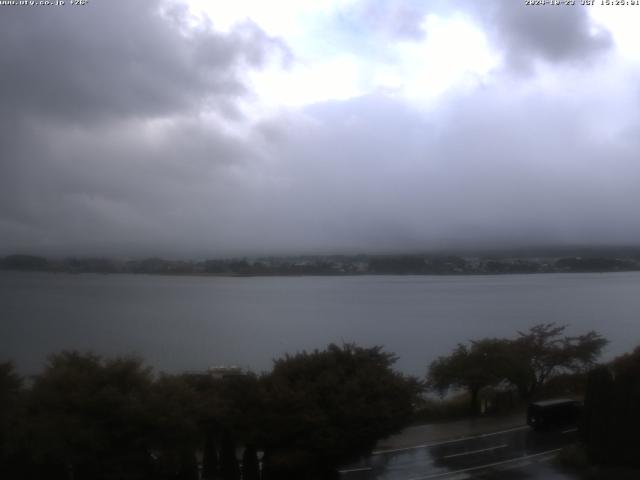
(517, 452)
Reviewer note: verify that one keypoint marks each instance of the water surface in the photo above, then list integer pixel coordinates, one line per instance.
(190, 323)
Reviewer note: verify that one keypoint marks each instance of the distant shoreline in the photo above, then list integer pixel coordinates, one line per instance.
(327, 266)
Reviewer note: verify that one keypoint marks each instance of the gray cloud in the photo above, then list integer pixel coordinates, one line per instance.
(121, 185)
(368, 174)
(487, 167)
(105, 120)
(120, 58)
(553, 34)
(117, 153)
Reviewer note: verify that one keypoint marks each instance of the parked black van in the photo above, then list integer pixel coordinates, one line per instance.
(555, 413)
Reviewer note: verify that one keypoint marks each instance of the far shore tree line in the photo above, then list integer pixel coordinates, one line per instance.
(597, 261)
(89, 417)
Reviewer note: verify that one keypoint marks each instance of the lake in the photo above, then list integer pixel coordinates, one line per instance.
(191, 323)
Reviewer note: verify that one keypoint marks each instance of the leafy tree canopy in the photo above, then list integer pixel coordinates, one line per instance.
(543, 352)
(611, 415)
(526, 362)
(327, 406)
(89, 416)
(470, 367)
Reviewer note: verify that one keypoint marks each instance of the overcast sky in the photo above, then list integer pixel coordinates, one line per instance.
(210, 128)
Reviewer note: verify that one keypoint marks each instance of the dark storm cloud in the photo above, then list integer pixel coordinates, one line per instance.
(109, 129)
(166, 186)
(554, 34)
(119, 58)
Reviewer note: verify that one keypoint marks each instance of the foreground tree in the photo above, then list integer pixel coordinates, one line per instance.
(10, 420)
(544, 352)
(595, 428)
(526, 362)
(174, 427)
(209, 457)
(328, 406)
(470, 368)
(612, 412)
(88, 420)
(250, 464)
(86, 417)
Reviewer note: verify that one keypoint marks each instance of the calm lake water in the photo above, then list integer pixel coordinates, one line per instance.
(190, 323)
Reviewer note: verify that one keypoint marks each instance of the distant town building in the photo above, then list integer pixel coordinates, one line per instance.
(220, 372)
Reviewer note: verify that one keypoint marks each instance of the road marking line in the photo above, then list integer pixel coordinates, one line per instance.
(435, 444)
(488, 465)
(475, 451)
(571, 430)
(350, 470)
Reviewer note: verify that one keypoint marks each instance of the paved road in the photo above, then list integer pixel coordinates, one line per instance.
(509, 453)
